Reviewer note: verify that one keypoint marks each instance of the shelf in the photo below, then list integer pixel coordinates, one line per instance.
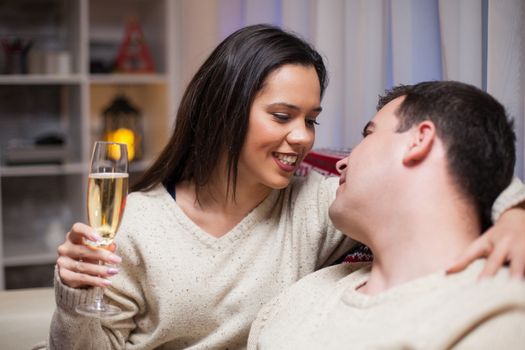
(37, 213)
(40, 201)
(128, 79)
(43, 170)
(30, 258)
(107, 34)
(40, 79)
(63, 169)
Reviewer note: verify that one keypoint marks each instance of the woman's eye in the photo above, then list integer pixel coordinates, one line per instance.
(312, 122)
(281, 117)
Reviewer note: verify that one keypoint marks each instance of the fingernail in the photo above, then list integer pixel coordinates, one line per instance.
(94, 237)
(106, 282)
(112, 271)
(114, 258)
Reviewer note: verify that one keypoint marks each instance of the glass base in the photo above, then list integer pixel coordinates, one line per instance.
(98, 310)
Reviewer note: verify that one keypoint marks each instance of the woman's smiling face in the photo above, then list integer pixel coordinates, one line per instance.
(281, 128)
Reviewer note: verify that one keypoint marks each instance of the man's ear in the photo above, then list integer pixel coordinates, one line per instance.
(421, 141)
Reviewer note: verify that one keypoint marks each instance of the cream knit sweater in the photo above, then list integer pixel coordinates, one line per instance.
(182, 288)
(324, 311)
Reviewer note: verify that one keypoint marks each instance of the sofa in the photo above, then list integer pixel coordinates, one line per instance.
(25, 316)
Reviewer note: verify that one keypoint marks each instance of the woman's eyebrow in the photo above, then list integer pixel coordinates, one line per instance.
(294, 107)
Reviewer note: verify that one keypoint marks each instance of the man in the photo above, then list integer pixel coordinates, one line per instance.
(432, 162)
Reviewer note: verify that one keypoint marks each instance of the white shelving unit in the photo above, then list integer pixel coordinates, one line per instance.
(39, 202)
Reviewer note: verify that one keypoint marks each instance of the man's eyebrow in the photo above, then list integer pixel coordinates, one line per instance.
(368, 126)
(294, 107)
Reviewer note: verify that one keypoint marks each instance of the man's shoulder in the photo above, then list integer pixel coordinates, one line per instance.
(497, 290)
(469, 280)
(330, 278)
(462, 303)
(481, 298)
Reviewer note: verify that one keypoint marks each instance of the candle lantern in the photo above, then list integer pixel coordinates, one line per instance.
(123, 123)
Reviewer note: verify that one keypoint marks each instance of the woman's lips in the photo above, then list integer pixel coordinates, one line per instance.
(285, 162)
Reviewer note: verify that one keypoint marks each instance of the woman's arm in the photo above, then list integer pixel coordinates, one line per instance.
(74, 281)
(70, 330)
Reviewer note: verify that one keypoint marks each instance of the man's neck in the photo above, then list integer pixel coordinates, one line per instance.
(407, 246)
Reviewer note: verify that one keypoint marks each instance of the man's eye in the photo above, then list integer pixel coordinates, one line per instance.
(366, 132)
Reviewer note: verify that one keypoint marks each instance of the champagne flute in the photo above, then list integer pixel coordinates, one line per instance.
(107, 191)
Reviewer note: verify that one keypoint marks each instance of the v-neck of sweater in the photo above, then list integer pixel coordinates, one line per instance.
(243, 228)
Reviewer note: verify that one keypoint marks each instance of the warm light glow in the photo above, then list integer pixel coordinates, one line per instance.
(123, 135)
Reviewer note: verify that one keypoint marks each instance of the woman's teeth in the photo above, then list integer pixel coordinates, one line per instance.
(286, 159)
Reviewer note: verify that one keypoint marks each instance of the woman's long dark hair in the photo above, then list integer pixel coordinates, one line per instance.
(213, 113)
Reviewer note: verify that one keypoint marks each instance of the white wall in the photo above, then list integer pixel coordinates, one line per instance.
(369, 45)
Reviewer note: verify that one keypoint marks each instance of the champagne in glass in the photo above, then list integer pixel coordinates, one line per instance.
(107, 191)
(106, 199)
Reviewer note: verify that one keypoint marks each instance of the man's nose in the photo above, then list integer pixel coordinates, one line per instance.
(341, 165)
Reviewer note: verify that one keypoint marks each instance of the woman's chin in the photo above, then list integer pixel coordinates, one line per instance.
(281, 183)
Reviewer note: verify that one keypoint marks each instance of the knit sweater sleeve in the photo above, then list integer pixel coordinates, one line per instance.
(317, 192)
(69, 330)
(513, 195)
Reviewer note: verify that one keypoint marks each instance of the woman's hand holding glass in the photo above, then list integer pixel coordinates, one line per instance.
(78, 264)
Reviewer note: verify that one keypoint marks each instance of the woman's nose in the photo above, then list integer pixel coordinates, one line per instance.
(300, 134)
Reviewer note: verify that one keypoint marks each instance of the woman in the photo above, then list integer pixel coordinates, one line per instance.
(218, 225)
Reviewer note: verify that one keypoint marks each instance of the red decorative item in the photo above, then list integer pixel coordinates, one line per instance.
(322, 160)
(133, 55)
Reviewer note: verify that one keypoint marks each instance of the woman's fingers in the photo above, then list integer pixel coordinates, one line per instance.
(88, 254)
(508, 237)
(517, 267)
(76, 273)
(76, 276)
(74, 246)
(496, 259)
(80, 231)
(87, 268)
(479, 248)
(501, 246)
(80, 265)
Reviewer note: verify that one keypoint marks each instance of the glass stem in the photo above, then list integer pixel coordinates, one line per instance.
(99, 295)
